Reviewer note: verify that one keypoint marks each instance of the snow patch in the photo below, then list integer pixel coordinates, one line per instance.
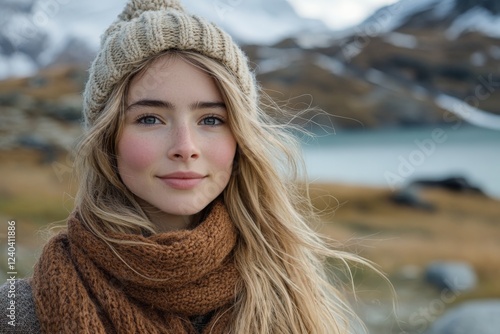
(392, 17)
(17, 64)
(276, 59)
(401, 40)
(443, 8)
(376, 77)
(478, 59)
(477, 19)
(468, 113)
(332, 65)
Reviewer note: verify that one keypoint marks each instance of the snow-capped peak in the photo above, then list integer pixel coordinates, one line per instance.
(392, 17)
(457, 16)
(32, 35)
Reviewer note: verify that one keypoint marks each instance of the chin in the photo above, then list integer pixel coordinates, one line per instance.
(185, 209)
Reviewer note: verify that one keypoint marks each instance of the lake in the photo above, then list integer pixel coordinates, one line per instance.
(393, 157)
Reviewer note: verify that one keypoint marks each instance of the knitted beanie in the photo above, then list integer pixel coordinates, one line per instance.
(148, 27)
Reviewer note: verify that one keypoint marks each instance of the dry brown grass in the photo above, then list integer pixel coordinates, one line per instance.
(462, 227)
(33, 196)
(32, 192)
(48, 84)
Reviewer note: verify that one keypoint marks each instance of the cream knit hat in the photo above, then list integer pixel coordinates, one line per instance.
(147, 27)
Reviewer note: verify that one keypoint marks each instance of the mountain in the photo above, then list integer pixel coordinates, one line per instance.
(453, 16)
(37, 33)
(412, 63)
(444, 52)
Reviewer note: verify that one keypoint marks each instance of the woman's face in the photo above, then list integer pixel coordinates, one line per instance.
(176, 150)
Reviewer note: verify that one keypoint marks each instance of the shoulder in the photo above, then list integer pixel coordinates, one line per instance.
(16, 298)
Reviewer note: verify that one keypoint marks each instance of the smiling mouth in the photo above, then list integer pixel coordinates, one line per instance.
(182, 180)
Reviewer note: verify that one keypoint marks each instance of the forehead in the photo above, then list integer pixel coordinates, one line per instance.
(173, 77)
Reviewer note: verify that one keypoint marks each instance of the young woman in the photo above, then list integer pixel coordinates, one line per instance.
(190, 217)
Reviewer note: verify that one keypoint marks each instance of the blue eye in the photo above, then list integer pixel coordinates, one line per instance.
(212, 121)
(148, 120)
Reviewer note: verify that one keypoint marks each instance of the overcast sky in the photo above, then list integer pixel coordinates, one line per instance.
(339, 14)
(94, 15)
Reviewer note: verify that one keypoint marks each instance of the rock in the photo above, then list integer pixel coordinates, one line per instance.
(9, 99)
(453, 183)
(49, 152)
(478, 317)
(69, 108)
(454, 276)
(410, 196)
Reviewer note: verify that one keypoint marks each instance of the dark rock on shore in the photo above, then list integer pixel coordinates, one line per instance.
(453, 183)
(410, 196)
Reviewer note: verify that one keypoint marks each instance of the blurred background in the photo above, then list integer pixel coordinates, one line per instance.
(405, 161)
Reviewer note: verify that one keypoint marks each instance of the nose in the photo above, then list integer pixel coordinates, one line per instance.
(183, 145)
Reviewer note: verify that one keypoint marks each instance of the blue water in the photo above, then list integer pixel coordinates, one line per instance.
(392, 158)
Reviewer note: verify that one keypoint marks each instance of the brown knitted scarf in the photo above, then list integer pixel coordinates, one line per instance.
(81, 286)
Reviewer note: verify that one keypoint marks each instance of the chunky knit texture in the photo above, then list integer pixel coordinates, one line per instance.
(81, 286)
(146, 28)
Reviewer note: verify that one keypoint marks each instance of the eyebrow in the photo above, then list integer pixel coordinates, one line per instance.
(168, 105)
(151, 104)
(208, 105)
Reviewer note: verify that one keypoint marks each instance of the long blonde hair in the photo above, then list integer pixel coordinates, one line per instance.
(286, 288)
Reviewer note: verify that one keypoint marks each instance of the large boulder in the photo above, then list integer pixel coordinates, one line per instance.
(478, 317)
(454, 276)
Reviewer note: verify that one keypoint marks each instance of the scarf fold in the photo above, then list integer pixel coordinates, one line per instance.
(80, 285)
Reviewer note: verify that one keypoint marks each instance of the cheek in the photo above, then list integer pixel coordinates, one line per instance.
(221, 162)
(135, 153)
(222, 154)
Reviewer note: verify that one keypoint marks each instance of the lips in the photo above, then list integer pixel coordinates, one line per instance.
(182, 180)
